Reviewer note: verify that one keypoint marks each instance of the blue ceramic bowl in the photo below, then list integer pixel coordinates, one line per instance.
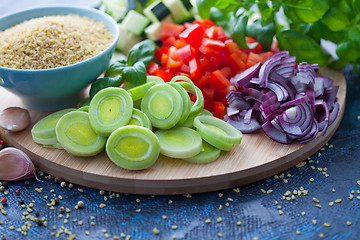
(52, 89)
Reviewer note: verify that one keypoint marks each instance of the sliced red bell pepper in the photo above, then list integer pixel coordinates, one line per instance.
(235, 62)
(170, 29)
(193, 35)
(218, 109)
(195, 69)
(185, 53)
(174, 60)
(152, 68)
(165, 75)
(218, 80)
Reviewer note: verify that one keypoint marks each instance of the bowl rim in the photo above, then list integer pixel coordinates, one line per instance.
(72, 7)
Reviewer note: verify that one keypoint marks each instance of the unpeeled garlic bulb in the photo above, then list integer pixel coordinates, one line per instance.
(14, 119)
(15, 165)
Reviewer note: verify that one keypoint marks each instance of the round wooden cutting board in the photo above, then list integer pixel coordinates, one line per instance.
(256, 158)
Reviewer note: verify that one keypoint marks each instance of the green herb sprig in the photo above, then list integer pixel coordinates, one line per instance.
(131, 69)
(297, 25)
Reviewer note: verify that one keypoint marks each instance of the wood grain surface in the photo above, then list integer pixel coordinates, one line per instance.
(256, 158)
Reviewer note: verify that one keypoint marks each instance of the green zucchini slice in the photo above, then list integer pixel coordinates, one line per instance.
(179, 142)
(76, 135)
(110, 109)
(133, 147)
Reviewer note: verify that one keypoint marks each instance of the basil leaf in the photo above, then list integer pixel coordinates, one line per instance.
(348, 50)
(303, 47)
(105, 82)
(335, 20)
(354, 34)
(305, 11)
(136, 74)
(115, 68)
(142, 51)
(237, 25)
(264, 34)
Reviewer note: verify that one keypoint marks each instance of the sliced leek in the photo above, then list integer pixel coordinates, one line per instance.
(199, 103)
(83, 108)
(185, 100)
(138, 92)
(208, 154)
(215, 142)
(163, 106)
(156, 79)
(218, 128)
(43, 132)
(139, 118)
(110, 109)
(189, 122)
(76, 135)
(133, 147)
(179, 142)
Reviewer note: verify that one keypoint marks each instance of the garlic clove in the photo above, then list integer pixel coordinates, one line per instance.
(14, 119)
(15, 165)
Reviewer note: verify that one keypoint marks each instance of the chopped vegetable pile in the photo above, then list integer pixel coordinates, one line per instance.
(287, 101)
(203, 52)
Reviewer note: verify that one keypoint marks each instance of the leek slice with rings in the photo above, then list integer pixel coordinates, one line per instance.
(186, 102)
(215, 142)
(189, 122)
(163, 106)
(138, 92)
(110, 109)
(76, 135)
(156, 79)
(133, 147)
(139, 118)
(186, 83)
(179, 142)
(208, 154)
(43, 132)
(218, 128)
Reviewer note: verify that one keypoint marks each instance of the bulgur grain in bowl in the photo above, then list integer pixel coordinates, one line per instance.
(49, 55)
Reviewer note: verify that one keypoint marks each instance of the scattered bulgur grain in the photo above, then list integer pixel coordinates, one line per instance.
(348, 223)
(327, 224)
(156, 231)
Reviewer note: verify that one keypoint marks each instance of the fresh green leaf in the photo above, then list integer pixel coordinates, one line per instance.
(304, 48)
(348, 50)
(115, 68)
(136, 74)
(305, 13)
(142, 51)
(354, 34)
(238, 29)
(219, 17)
(204, 7)
(105, 82)
(228, 5)
(264, 34)
(336, 20)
